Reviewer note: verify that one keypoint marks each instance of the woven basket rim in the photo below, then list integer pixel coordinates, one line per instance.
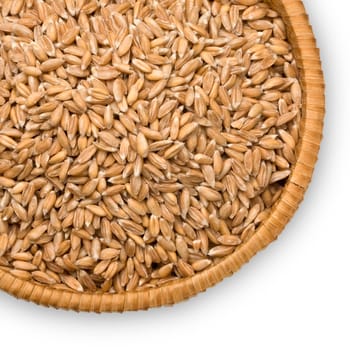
(308, 60)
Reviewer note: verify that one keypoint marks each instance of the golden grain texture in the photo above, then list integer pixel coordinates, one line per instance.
(141, 141)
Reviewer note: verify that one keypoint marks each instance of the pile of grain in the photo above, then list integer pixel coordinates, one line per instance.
(140, 142)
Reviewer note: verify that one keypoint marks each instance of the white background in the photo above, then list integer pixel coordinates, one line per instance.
(295, 294)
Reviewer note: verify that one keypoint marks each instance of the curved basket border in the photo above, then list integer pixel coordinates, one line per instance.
(308, 60)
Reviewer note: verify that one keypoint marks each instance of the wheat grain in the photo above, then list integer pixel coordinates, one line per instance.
(140, 143)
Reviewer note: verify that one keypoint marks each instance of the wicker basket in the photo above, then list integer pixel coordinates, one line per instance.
(307, 55)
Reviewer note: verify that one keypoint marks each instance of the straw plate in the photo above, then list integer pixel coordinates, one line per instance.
(308, 60)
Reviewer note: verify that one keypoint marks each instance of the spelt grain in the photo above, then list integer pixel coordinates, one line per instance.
(138, 143)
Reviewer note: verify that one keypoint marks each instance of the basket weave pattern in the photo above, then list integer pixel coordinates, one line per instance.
(307, 56)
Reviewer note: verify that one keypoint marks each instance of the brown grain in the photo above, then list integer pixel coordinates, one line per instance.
(139, 144)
